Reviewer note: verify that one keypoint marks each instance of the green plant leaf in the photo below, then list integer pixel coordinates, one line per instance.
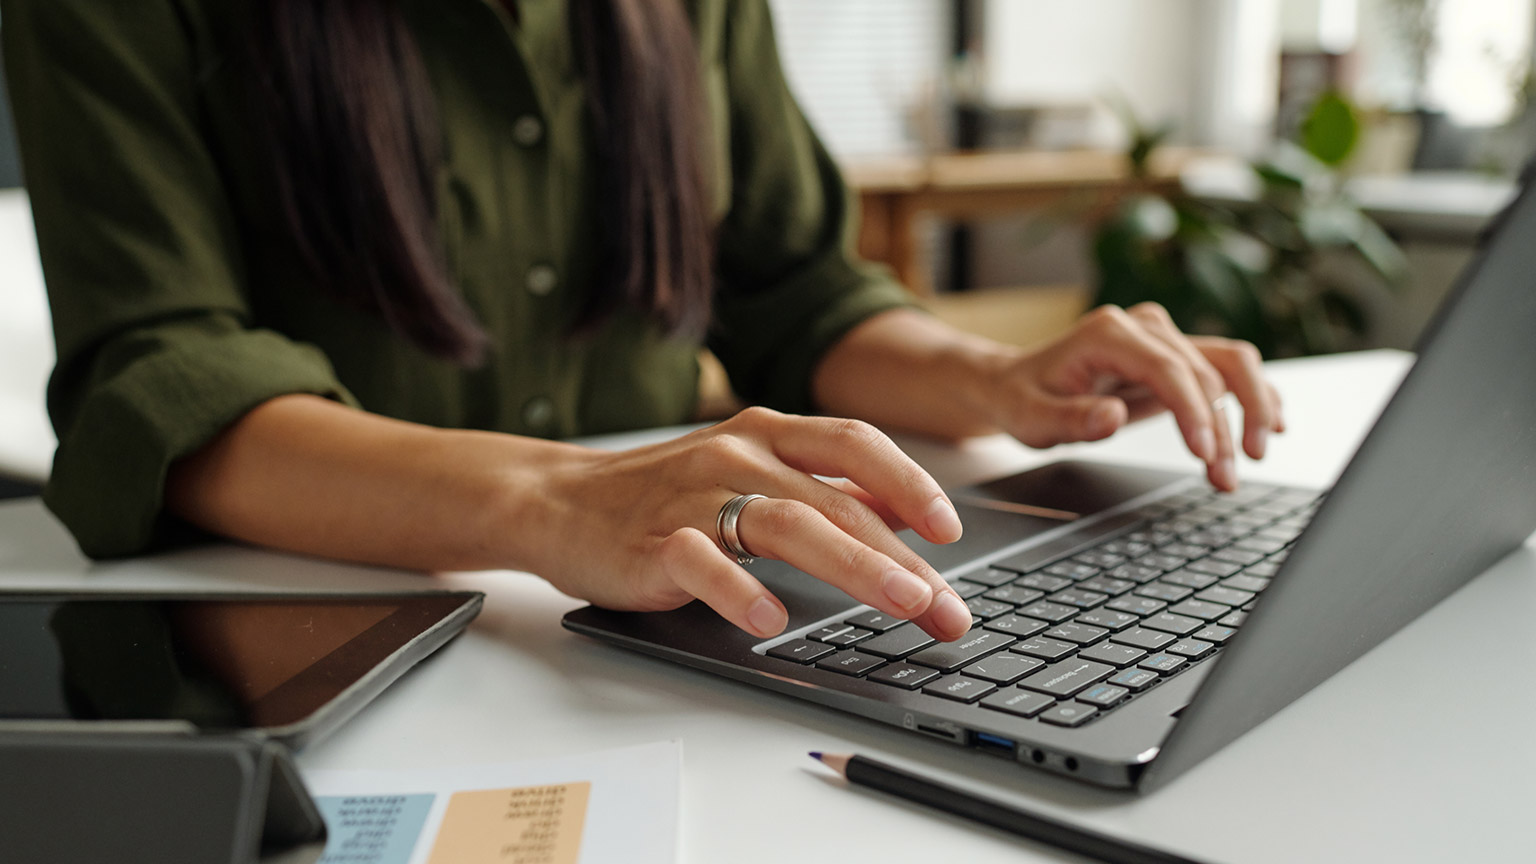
(1331, 129)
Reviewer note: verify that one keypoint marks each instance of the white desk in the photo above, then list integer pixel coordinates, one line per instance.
(1420, 751)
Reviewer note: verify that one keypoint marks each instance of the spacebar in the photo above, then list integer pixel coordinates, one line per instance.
(1036, 557)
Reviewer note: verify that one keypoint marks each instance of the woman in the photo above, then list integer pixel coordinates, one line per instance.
(327, 276)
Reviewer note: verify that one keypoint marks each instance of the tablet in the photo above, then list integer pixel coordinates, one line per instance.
(293, 666)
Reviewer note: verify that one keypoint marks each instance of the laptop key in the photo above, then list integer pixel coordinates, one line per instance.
(1106, 585)
(897, 643)
(1044, 582)
(1103, 695)
(828, 632)
(1200, 609)
(960, 688)
(1068, 714)
(1132, 679)
(1114, 655)
(983, 609)
(1189, 579)
(1004, 668)
(1214, 567)
(1194, 649)
(1224, 595)
(904, 675)
(967, 590)
(1078, 633)
(1163, 663)
(1215, 633)
(800, 650)
(874, 619)
(1016, 625)
(850, 662)
(1127, 547)
(1135, 573)
(1021, 703)
(1100, 558)
(1136, 605)
(1245, 582)
(1161, 561)
(1238, 556)
(1073, 570)
(1067, 677)
(1180, 625)
(1161, 590)
(992, 578)
(1141, 637)
(949, 656)
(1044, 648)
(1236, 619)
(1052, 612)
(1263, 569)
(1186, 550)
(1080, 599)
(1260, 544)
(1014, 595)
(848, 637)
(1109, 620)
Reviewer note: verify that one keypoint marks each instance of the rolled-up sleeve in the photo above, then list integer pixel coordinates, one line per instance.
(790, 284)
(143, 262)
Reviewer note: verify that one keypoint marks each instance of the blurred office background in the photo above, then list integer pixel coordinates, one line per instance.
(988, 141)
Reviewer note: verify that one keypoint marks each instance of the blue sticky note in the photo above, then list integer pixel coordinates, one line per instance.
(372, 829)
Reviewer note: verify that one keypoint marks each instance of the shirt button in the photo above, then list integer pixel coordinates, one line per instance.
(542, 279)
(527, 130)
(538, 412)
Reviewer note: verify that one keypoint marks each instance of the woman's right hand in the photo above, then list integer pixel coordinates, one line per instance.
(635, 529)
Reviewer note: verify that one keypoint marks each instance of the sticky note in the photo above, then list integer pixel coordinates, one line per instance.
(372, 829)
(527, 825)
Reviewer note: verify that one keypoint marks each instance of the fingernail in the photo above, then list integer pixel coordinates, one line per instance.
(943, 521)
(905, 590)
(1205, 445)
(950, 614)
(766, 617)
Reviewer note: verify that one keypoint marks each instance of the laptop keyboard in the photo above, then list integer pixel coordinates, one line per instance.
(1066, 641)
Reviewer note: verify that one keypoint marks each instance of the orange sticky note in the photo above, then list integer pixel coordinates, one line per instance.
(528, 825)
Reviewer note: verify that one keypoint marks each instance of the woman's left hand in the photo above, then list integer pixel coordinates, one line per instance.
(1119, 365)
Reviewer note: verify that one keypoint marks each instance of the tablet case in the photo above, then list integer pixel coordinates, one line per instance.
(151, 793)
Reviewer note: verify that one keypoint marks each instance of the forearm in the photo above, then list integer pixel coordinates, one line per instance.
(308, 475)
(903, 369)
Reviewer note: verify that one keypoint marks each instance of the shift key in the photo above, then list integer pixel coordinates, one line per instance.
(1067, 677)
(949, 656)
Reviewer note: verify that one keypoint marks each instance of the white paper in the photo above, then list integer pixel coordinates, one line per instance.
(394, 817)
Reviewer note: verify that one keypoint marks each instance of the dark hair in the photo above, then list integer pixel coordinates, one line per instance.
(352, 130)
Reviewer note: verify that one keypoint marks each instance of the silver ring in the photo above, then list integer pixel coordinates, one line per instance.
(725, 528)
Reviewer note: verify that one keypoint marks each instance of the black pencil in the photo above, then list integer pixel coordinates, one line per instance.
(861, 771)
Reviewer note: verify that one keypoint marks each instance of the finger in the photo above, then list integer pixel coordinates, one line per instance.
(803, 537)
(876, 506)
(1242, 368)
(864, 524)
(1126, 349)
(1222, 470)
(860, 452)
(1059, 420)
(692, 562)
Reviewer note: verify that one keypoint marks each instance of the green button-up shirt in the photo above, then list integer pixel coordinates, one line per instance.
(174, 314)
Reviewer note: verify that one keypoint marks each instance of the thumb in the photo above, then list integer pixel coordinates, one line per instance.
(1063, 419)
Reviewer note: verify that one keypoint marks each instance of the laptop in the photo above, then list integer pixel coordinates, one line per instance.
(1129, 623)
